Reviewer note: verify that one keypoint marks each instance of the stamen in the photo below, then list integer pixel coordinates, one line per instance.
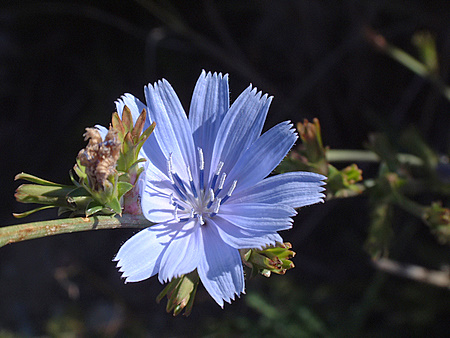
(200, 219)
(202, 178)
(233, 186)
(180, 182)
(221, 183)
(201, 166)
(216, 175)
(179, 206)
(174, 179)
(201, 159)
(169, 168)
(185, 219)
(216, 208)
(211, 198)
(191, 182)
(179, 192)
(174, 201)
(177, 219)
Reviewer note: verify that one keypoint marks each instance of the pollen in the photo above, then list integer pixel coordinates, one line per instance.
(100, 157)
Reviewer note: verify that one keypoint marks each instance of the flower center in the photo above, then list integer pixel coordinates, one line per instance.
(195, 199)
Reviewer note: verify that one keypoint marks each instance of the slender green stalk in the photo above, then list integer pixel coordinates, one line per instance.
(349, 155)
(23, 232)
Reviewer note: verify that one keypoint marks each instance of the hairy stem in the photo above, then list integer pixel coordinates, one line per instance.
(23, 232)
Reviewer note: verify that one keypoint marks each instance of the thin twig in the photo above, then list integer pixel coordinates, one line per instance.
(23, 232)
(414, 272)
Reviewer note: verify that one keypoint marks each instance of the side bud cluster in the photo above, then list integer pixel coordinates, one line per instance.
(107, 170)
(271, 259)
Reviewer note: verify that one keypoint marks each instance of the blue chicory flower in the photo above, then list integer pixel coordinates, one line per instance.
(206, 185)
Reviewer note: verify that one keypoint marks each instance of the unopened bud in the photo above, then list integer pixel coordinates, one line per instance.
(271, 259)
(180, 293)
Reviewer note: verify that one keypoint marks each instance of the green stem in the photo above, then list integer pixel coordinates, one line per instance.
(348, 155)
(22, 232)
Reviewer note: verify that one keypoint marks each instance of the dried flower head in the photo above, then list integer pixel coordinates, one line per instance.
(100, 156)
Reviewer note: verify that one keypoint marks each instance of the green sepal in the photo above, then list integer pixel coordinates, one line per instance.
(29, 212)
(35, 179)
(278, 252)
(147, 132)
(114, 204)
(118, 125)
(345, 182)
(180, 293)
(141, 160)
(127, 119)
(128, 141)
(168, 289)
(271, 259)
(123, 188)
(42, 194)
(124, 177)
(138, 127)
(74, 181)
(94, 209)
(80, 170)
(188, 307)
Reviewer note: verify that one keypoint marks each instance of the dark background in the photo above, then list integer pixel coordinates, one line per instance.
(62, 65)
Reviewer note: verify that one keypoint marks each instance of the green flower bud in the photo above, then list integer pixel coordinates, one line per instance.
(180, 293)
(271, 259)
(133, 138)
